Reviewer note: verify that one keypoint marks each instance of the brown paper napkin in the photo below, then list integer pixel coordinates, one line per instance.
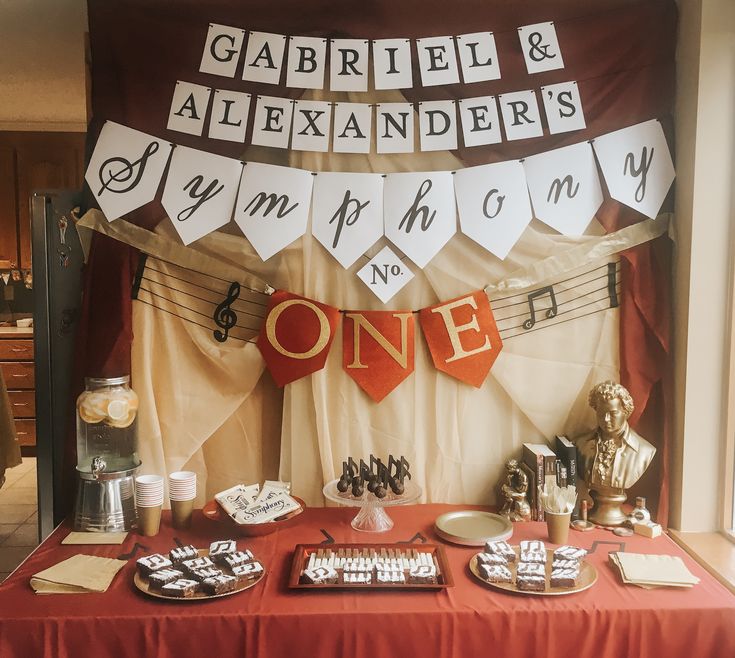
(77, 538)
(653, 570)
(77, 575)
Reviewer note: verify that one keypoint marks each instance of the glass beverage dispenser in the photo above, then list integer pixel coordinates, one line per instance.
(107, 455)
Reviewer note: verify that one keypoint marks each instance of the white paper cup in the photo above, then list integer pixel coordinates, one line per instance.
(149, 490)
(182, 485)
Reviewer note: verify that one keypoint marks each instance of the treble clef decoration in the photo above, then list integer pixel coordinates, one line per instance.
(224, 316)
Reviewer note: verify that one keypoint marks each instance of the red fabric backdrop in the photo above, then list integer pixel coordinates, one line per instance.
(621, 53)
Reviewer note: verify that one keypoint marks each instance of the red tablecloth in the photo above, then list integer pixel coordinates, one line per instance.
(610, 620)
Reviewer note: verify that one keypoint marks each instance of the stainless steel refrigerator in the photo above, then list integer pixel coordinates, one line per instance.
(57, 289)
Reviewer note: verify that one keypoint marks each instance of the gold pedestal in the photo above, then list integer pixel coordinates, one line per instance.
(607, 510)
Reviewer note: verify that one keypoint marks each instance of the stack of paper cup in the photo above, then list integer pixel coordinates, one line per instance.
(149, 500)
(182, 489)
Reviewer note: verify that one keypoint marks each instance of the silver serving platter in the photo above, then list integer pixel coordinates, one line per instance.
(472, 527)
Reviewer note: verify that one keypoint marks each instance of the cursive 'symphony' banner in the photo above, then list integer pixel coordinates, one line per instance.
(462, 337)
(378, 349)
(296, 336)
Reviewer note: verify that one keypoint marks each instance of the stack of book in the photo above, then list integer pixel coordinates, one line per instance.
(542, 465)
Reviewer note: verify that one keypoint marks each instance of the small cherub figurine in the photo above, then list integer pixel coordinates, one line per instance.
(514, 490)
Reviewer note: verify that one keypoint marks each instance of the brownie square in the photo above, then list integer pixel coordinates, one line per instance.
(150, 563)
(197, 563)
(496, 573)
(491, 559)
(564, 577)
(218, 549)
(569, 553)
(181, 588)
(320, 576)
(237, 558)
(423, 574)
(531, 569)
(219, 584)
(162, 577)
(183, 553)
(201, 575)
(501, 548)
(248, 571)
(531, 583)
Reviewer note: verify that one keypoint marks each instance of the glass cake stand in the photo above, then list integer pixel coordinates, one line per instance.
(372, 516)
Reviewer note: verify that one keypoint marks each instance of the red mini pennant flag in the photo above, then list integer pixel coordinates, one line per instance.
(378, 349)
(296, 336)
(462, 337)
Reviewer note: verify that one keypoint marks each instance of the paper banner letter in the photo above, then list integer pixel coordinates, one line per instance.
(125, 169)
(437, 61)
(348, 65)
(229, 118)
(478, 56)
(188, 108)
(438, 122)
(563, 107)
(221, 50)
(272, 124)
(273, 206)
(392, 64)
(352, 128)
(347, 213)
(521, 117)
(565, 188)
(385, 274)
(540, 47)
(480, 121)
(637, 166)
(306, 62)
(296, 336)
(200, 192)
(394, 125)
(378, 349)
(311, 121)
(264, 57)
(419, 213)
(462, 337)
(493, 203)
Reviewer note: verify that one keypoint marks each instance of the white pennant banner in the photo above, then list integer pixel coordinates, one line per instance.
(352, 128)
(311, 124)
(637, 166)
(125, 169)
(200, 192)
(521, 117)
(347, 213)
(348, 65)
(437, 61)
(385, 274)
(479, 57)
(565, 188)
(272, 124)
(188, 108)
(392, 64)
(438, 126)
(563, 107)
(264, 57)
(273, 206)
(540, 47)
(394, 126)
(307, 57)
(493, 203)
(480, 121)
(419, 213)
(229, 120)
(221, 50)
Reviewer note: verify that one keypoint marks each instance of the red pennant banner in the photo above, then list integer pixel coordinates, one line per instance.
(296, 336)
(462, 337)
(378, 349)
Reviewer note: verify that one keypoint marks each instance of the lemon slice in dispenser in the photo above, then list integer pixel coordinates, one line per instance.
(117, 410)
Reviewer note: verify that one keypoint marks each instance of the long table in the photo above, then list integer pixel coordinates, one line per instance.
(609, 620)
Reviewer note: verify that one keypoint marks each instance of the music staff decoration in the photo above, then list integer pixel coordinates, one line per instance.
(298, 332)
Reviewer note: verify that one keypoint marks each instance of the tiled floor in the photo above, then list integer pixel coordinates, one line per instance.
(18, 516)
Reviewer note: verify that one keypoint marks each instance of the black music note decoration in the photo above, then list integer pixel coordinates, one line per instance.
(224, 316)
(611, 284)
(136, 547)
(550, 313)
(108, 174)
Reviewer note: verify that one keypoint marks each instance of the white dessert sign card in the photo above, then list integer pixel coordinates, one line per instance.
(125, 169)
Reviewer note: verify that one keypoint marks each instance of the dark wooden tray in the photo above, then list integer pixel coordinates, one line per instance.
(302, 552)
